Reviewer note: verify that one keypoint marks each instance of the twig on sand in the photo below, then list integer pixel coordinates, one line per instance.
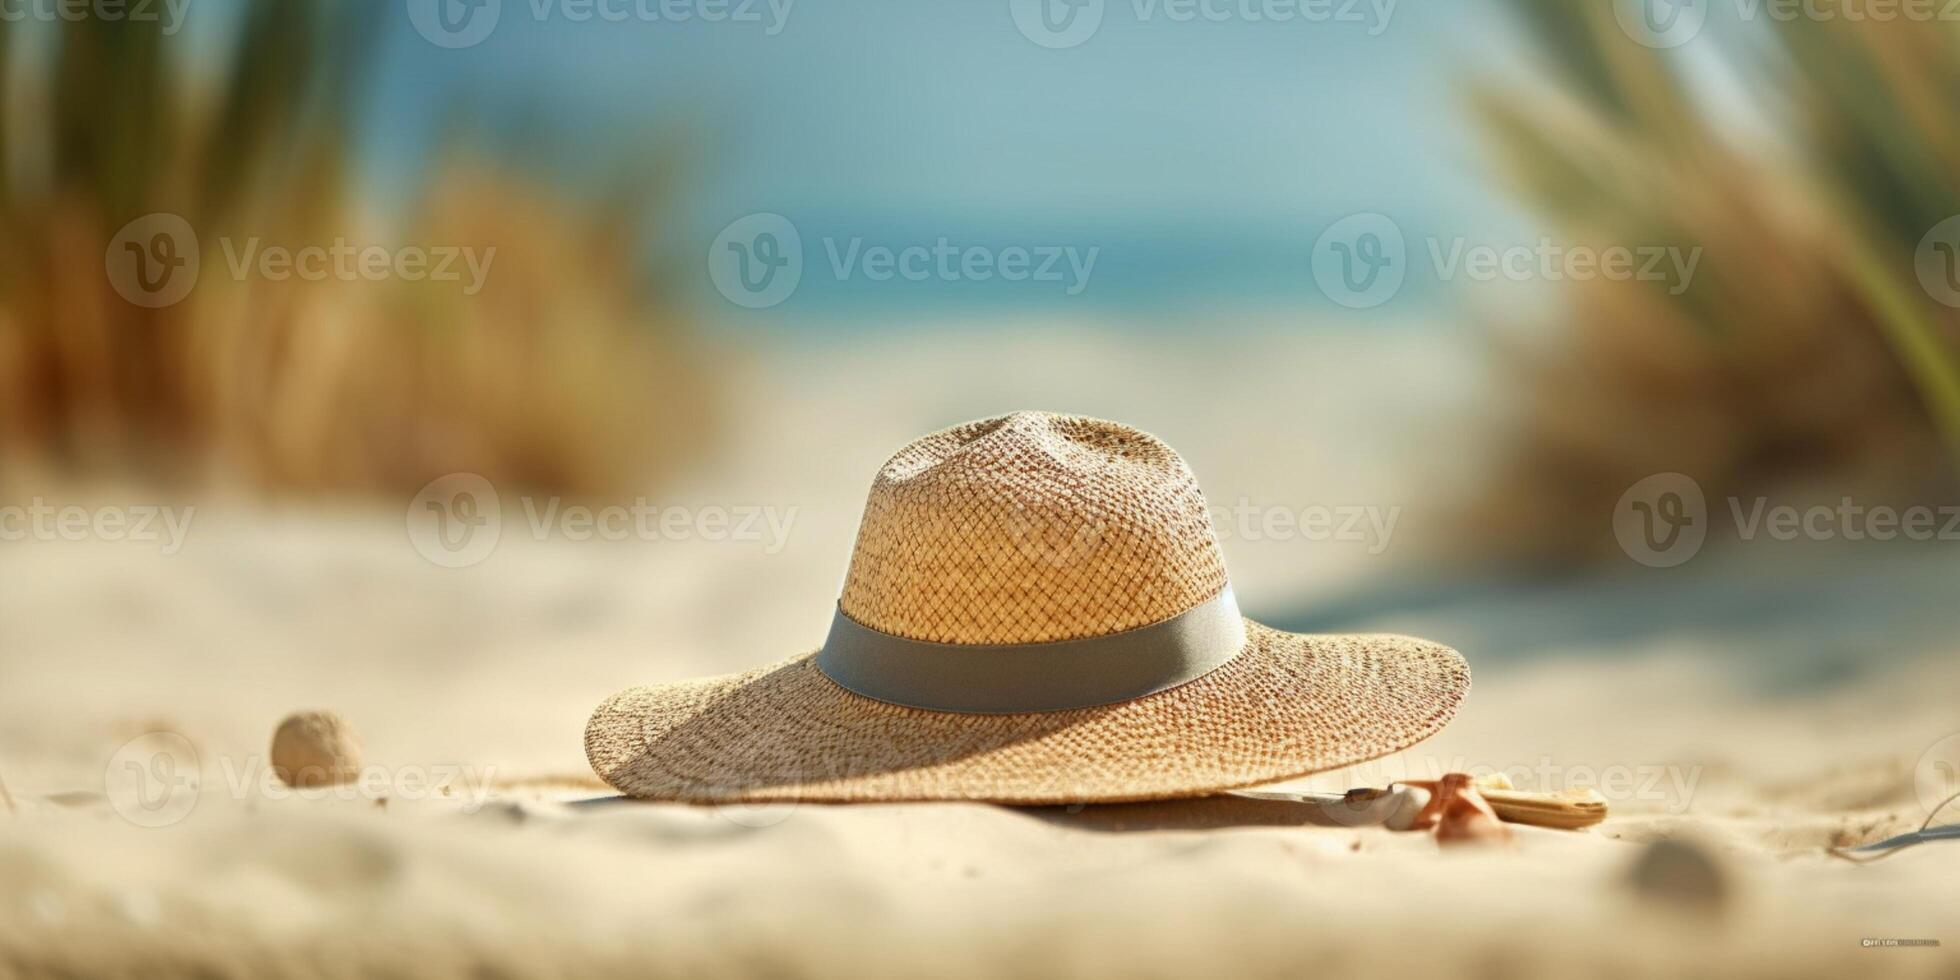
(7, 798)
(1890, 846)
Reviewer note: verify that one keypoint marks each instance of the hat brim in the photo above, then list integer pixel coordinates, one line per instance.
(1288, 705)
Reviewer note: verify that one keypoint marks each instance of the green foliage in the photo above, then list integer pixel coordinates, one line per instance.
(1805, 347)
(546, 377)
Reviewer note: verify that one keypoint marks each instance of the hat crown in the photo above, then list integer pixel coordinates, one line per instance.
(1031, 528)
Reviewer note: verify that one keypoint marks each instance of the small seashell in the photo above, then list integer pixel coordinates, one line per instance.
(315, 748)
(1407, 806)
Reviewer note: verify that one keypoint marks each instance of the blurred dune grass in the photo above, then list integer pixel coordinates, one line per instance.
(1804, 350)
(565, 371)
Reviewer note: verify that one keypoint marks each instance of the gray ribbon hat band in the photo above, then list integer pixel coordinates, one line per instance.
(1033, 677)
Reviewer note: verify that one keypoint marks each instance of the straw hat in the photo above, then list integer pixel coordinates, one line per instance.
(1036, 612)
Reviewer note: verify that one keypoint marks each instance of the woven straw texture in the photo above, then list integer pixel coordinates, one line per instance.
(1030, 528)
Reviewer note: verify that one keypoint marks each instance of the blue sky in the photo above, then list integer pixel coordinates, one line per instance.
(1202, 157)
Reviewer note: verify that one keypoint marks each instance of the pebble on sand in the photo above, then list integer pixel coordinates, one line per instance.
(315, 748)
(1681, 874)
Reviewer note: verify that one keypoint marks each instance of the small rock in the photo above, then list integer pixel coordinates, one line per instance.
(1680, 874)
(315, 748)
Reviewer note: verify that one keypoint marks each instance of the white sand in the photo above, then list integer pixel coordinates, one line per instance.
(483, 676)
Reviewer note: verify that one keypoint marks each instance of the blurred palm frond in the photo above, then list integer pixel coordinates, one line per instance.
(1803, 349)
(565, 372)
